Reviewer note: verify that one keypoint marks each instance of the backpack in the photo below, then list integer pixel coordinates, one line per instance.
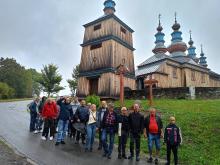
(29, 106)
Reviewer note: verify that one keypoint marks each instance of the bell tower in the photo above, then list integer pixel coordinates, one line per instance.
(107, 44)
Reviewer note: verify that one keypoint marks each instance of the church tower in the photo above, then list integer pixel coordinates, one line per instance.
(107, 44)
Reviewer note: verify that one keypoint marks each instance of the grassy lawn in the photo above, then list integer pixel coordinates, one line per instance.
(12, 100)
(200, 124)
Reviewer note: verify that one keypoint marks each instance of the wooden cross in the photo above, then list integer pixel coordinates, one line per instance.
(121, 70)
(150, 82)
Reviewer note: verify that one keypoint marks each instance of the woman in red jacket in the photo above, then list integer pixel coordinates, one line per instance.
(49, 115)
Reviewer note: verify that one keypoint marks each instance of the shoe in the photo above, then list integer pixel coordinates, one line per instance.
(150, 160)
(124, 156)
(57, 143)
(119, 156)
(76, 142)
(51, 138)
(36, 131)
(137, 158)
(43, 138)
(109, 157)
(90, 150)
(41, 130)
(130, 157)
(83, 142)
(156, 161)
(99, 148)
(104, 155)
(86, 150)
(62, 142)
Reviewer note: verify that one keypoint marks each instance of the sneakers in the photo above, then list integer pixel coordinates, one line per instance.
(63, 142)
(41, 130)
(109, 157)
(51, 138)
(150, 160)
(104, 155)
(36, 131)
(156, 161)
(43, 138)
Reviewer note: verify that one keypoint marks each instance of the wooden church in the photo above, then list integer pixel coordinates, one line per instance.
(107, 44)
(172, 67)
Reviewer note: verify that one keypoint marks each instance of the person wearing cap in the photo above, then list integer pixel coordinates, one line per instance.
(109, 128)
(123, 129)
(173, 139)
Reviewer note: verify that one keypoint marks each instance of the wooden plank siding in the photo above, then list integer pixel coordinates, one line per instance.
(184, 77)
(108, 27)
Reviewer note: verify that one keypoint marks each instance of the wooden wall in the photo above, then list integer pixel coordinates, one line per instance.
(83, 86)
(108, 85)
(122, 54)
(108, 27)
(103, 57)
(214, 82)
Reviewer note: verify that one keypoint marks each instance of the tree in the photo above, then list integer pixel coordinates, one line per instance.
(6, 92)
(74, 81)
(51, 79)
(36, 86)
(16, 76)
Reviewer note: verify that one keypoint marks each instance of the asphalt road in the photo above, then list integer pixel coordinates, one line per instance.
(14, 128)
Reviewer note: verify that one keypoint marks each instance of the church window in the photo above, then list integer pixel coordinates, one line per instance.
(174, 72)
(203, 77)
(97, 27)
(193, 76)
(123, 30)
(95, 46)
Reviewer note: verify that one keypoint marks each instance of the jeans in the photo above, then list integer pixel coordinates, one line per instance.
(62, 130)
(174, 149)
(151, 139)
(91, 130)
(100, 138)
(135, 138)
(122, 143)
(33, 121)
(108, 133)
(49, 126)
(39, 123)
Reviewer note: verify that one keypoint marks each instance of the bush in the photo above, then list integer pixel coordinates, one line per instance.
(6, 92)
(93, 99)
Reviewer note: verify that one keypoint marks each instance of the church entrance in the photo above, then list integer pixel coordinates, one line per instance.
(93, 86)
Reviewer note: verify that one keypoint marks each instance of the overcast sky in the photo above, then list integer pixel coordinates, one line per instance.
(39, 32)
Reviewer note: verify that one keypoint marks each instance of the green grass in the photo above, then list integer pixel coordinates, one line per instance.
(200, 124)
(13, 100)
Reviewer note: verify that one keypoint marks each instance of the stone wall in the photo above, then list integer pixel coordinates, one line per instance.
(175, 93)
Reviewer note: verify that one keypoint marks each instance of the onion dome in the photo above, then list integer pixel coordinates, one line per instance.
(192, 49)
(109, 7)
(159, 47)
(177, 47)
(202, 59)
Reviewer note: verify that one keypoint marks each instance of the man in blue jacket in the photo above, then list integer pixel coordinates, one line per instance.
(33, 114)
(82, 116)
(63, 119)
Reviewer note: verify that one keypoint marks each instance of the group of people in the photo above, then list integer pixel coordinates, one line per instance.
(82, 121)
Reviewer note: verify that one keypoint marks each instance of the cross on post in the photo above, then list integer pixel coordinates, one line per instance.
(150, 82)
(121, 70)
